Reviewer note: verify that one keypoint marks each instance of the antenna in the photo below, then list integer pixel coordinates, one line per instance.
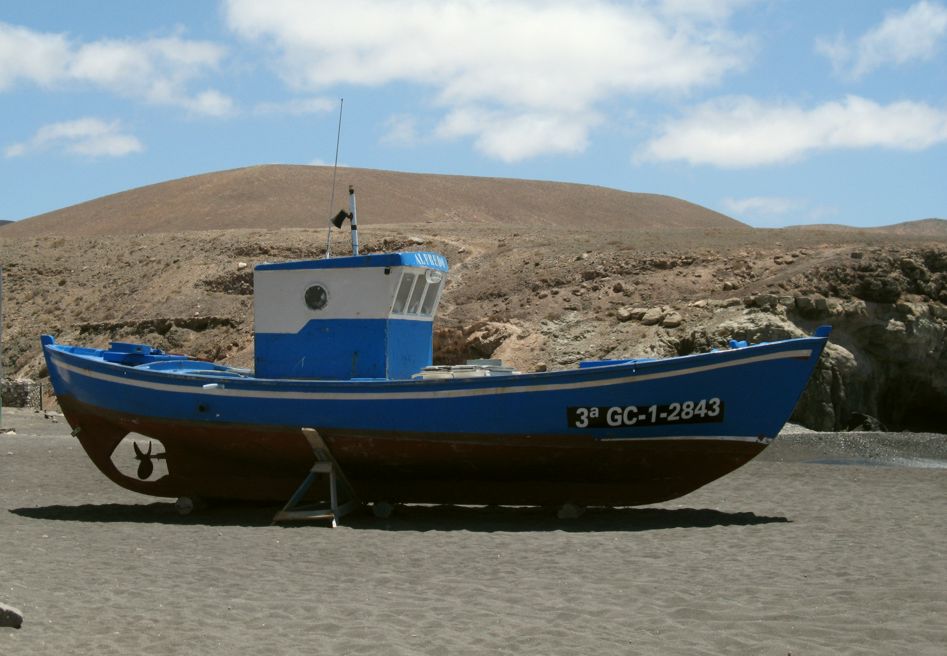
(335, 167)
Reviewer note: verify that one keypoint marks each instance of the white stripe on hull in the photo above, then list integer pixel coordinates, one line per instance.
(703, 438)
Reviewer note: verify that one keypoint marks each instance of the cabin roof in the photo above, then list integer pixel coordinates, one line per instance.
(423, 259)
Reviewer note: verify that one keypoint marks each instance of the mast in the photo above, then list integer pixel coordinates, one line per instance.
(340, 218)
(353, 220)
(335, 167)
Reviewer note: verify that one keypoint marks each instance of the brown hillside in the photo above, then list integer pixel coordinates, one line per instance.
(280, 196)
(936, 228)
(921, 228)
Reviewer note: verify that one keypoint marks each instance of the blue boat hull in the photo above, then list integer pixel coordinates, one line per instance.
(630, 433)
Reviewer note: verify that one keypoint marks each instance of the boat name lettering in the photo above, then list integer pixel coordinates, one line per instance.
(430, 259)
(702, 411)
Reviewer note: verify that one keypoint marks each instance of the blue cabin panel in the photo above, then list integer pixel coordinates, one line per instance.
(410, 347)
(336, 349)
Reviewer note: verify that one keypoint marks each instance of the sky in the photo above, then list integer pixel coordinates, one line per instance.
(774, 112)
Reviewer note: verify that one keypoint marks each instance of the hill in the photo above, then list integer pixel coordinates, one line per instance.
(936, 228)
(281, 196)
(920, 228)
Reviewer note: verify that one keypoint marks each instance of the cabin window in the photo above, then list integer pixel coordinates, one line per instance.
(404, 290)
(416, 295)
(427, 307)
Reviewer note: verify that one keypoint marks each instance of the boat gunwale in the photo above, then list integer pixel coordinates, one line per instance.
(606, 375)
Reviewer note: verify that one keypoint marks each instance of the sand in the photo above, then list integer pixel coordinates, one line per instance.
(788, 555)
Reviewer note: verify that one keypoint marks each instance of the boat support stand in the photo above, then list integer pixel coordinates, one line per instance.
(325, 464)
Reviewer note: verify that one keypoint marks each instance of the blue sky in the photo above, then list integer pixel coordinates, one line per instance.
(775, 112)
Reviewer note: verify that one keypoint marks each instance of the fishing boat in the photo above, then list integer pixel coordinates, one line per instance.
(343, 350)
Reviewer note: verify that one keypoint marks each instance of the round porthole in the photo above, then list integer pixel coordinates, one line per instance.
(316, 297)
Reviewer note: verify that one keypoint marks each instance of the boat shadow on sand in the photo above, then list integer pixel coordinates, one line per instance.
(412, 518)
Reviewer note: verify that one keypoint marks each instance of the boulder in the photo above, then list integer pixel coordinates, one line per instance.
(672, 320)
(653, 316)
(756, 327)
(827, 396)
(19, 393)
(863, 423)
(814, 306)
(10, 616)
(895, 326)
(913, 269)
(855, 308)
(766, 301)
(484, 337)
(879, 289)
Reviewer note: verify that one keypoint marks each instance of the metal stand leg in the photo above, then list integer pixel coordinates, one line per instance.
(325, 464)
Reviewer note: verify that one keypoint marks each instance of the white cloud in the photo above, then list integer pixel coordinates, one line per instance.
(821, 213)
(766, 205)
(25, 54)
(91, 137)
(914, 34)
(742, 132)
(209, 103)
(511, 61)
(296, 107)
(717, 10)
(155, 70)
(511, 137)
(776, 211)
(318, 161)
(400, 130)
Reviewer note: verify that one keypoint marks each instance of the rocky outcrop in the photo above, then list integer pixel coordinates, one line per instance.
(884, 276)
(20, 393)
(456, 345)
(886, 360)
(827, 401)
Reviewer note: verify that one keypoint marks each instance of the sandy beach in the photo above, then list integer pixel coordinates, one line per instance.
(828, 543)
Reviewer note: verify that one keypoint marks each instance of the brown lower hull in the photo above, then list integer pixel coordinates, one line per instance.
(268, 463)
